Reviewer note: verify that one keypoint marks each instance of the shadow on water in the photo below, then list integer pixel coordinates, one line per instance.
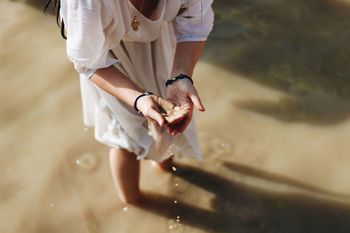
(239, 207)
(314, 107)
(300, 47)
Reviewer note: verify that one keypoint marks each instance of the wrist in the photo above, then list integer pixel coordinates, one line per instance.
(130, 96)
(136, 102)
(177, 78)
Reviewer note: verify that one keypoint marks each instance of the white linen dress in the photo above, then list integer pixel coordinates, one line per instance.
(97, 27)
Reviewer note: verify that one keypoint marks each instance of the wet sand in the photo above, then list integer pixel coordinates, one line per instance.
(276, 151)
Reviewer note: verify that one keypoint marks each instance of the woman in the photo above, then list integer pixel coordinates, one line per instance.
(123, 48)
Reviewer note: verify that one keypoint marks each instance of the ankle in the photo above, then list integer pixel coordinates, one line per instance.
(165, 165)
(131, 198)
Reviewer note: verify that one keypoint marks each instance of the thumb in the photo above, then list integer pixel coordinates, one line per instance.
(197, 102)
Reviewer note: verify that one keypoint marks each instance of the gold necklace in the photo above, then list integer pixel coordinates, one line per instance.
(136, 21)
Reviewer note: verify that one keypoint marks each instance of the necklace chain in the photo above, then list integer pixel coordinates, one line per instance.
(136, 21)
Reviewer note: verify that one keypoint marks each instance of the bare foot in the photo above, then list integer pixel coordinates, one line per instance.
(166, 165)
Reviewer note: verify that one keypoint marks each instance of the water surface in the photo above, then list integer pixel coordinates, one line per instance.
(275, 81)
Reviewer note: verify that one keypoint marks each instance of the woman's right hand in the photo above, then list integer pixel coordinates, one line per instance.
(148, 106)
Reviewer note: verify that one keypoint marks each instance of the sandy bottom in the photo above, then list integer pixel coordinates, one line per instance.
(261, 172)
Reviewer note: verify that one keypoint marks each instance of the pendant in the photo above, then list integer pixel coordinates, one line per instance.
(135, 23)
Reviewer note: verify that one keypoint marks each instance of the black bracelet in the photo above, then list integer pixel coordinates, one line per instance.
(181, 76)
(138, 97)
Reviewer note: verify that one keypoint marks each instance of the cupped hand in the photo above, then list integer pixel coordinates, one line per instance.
(183, 94)
(160, 110)
(148, 106)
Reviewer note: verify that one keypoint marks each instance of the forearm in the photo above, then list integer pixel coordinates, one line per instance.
(186, 57)
(114, 82)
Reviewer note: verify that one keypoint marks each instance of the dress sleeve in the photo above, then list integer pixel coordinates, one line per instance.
(86, 43)
(194, 21)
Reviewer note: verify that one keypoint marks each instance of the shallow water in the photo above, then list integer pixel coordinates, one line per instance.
(275, 81)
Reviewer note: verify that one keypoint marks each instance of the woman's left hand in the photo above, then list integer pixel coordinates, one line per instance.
(183, 93)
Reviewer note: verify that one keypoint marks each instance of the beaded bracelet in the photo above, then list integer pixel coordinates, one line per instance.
(138, 97)
(181, 76)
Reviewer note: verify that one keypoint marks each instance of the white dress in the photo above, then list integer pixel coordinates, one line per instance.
(94, 27)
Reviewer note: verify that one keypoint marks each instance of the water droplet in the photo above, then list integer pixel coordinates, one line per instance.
(87, 161)
(173, 168)
(175, 201)
(125, 208)
(175, 225)
(176, 184)
(221, 146)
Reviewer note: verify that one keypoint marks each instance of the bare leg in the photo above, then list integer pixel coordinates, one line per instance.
(125, 170)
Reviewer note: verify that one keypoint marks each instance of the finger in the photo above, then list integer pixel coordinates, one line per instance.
(174, 116)
(179, 127)
(197, 102)
(171, 129)
(174, 128)
(153, 114)
(185, 123)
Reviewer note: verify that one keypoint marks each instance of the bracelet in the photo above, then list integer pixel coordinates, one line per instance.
(138, 97)
(181, 76)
